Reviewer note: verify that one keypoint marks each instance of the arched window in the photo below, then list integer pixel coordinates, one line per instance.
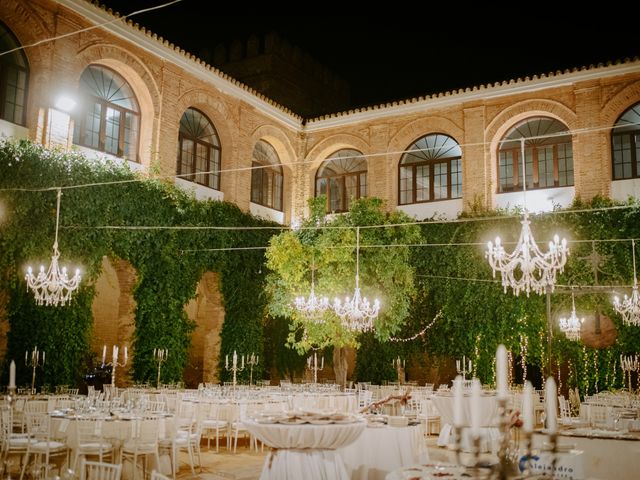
(625, 145)
(548, 155)
(14, 77)
(266, 176)
(108, 117)
(199, 150)
(341, 178)
(431, 169)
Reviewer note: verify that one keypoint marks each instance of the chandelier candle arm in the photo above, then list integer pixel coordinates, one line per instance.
(527, 268)
(53, 287)
(357, 313)
(629, 308)
(312, 307)
(571, 326)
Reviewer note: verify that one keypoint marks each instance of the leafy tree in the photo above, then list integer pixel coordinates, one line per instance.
(328, 245)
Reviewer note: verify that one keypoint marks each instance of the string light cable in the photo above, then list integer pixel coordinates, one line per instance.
(382, 155)
(421, 332)
(92, 27)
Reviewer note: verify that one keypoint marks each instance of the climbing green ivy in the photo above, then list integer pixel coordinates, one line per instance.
(168, 263)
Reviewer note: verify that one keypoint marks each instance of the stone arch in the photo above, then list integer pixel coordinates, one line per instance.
(207, 312)
(510, 116)
(409, 134)
(139, 77)
(218, 113)
(29, 27)
(114, 312)
(326, 147)
(625, 98)
(612, 110)
(282, 144)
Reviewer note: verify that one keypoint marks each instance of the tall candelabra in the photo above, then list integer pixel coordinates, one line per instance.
(629, 364)
(312, 365)
(506, 467)
(115, 362)
(234, 366)
(252, 361)
(399, 365)
(466, 367)
(34, 359)
(160, 356)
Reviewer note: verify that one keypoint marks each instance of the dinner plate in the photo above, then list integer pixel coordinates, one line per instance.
(291, 421)
(320, 421)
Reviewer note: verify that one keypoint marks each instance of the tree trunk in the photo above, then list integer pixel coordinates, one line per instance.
(340, 365)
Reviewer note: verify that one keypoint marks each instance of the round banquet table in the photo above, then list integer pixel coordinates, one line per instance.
(305, 451)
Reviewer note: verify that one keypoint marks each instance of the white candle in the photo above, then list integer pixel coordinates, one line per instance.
(501, 371)
(475, 407)
(464, 362)
(457, 364)
(242, 366)
(125, 353)
(457, 402)
(43, 354)
(322, 366)
(308, 362)
(527, 407)
(469, 366)
(104, 353)
(551, 396)
(12, 374)
(226, 361)
(26, 357)
(235, 359)
(257, 359)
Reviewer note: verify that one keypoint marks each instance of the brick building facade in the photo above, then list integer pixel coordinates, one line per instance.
(165, 82)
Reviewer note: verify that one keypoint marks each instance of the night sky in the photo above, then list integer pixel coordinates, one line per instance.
(391, 58)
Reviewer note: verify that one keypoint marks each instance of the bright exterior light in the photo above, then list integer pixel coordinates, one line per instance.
(357, 313)
(53, 287)
(629, 308)
(527, 268)
(571, 326)
(65, 103)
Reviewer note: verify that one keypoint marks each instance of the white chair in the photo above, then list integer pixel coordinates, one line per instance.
(100, 471)
(155, 475)
(213, 423)
(143, 442)
(91, 440)
(41, 441)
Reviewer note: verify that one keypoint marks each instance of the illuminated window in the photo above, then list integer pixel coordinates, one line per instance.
(548, 155)
(108, 116)
(625, 145)
(14, 77)
(341, 178)
(199, 150)
(431, 169)
(266, 176)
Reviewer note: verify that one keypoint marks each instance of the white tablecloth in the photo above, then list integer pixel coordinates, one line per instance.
(489, 432)
(603, 458)
(380, 450)
(305, 451)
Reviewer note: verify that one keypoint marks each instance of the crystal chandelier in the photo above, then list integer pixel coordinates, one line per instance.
(313, 306)
(629, 308)
(357, 313)
(53, 287)
(527, 268)
(571, 326)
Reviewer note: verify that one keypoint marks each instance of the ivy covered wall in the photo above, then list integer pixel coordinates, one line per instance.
(169, 262)
(450, 275)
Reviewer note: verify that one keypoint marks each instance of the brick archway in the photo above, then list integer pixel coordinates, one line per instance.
(207, 312)
(114, 312)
